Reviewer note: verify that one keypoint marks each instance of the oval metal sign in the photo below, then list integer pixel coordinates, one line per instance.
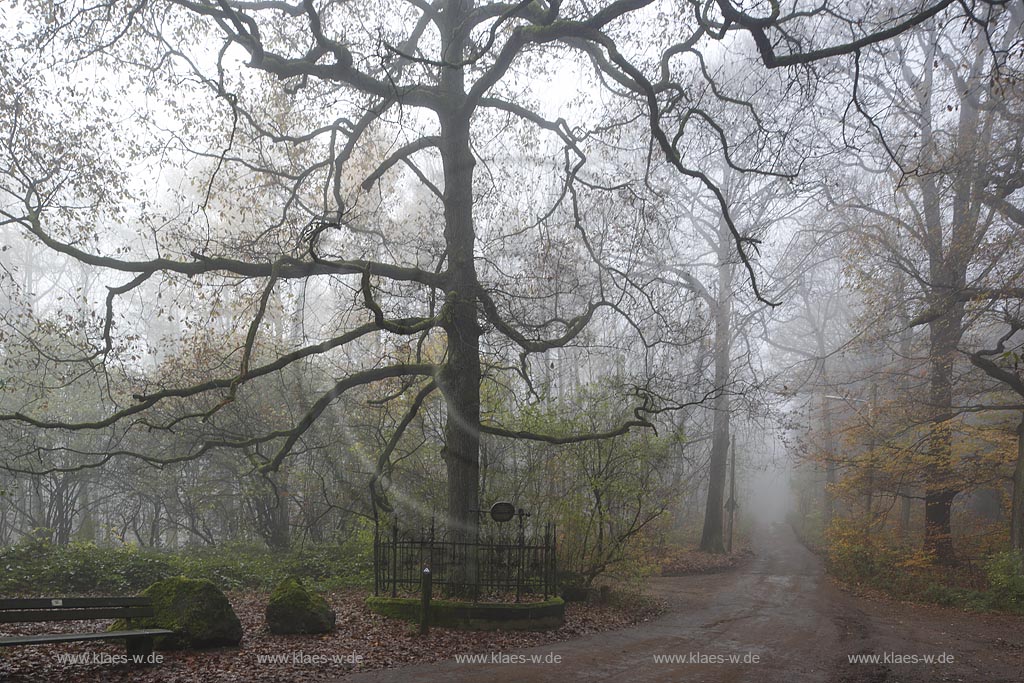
(503, 512)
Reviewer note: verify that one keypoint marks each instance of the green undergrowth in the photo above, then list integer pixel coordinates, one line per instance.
(995, 583)
(42, 568)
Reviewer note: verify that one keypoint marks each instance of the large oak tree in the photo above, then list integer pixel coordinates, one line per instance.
(282, 112)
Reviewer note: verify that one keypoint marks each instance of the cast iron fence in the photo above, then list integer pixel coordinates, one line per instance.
(508, 561)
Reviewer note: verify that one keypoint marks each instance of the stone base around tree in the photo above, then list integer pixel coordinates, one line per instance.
(491, 616)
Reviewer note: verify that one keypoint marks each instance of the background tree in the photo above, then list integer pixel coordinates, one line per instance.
(934, 111)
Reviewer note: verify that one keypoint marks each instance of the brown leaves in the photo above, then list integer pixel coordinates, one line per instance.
(362, 641)
(682, 561)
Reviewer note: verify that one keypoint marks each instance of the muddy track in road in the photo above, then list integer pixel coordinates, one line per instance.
(778, 618)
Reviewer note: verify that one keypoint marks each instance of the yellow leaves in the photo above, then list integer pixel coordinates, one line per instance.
(916, 560)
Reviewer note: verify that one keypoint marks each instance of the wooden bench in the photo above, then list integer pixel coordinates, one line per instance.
(138, 641)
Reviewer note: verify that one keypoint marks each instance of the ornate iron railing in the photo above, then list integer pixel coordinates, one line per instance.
(502, 563)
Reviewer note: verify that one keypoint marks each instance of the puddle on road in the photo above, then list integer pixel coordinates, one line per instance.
(784, 581)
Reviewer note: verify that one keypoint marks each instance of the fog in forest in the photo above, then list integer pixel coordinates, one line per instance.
(636, 310)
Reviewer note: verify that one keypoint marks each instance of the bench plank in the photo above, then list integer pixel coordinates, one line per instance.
(60, 614)
(44, 638)
(50, 603)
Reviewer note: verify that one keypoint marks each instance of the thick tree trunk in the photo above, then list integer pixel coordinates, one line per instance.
(459, 379)
(711, 539)
(949, 261)
(940, 489)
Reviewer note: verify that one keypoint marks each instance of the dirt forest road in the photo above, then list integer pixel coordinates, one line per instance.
(780, 618)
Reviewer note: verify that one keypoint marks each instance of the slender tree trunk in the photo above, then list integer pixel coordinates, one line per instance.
(906, 349)
(905, 510)
(1017, 509)
(872, 445)
(711, 539)
(280, 514)
(831, 475)
(731, 503)
(37, 518)
(154, 524)
(87, 527)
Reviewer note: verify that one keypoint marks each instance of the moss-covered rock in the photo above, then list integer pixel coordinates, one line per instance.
(195, 609)
(293, 608)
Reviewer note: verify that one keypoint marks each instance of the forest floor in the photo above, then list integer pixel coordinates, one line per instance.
(775, 617)
(361, 641)
(781, 618)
